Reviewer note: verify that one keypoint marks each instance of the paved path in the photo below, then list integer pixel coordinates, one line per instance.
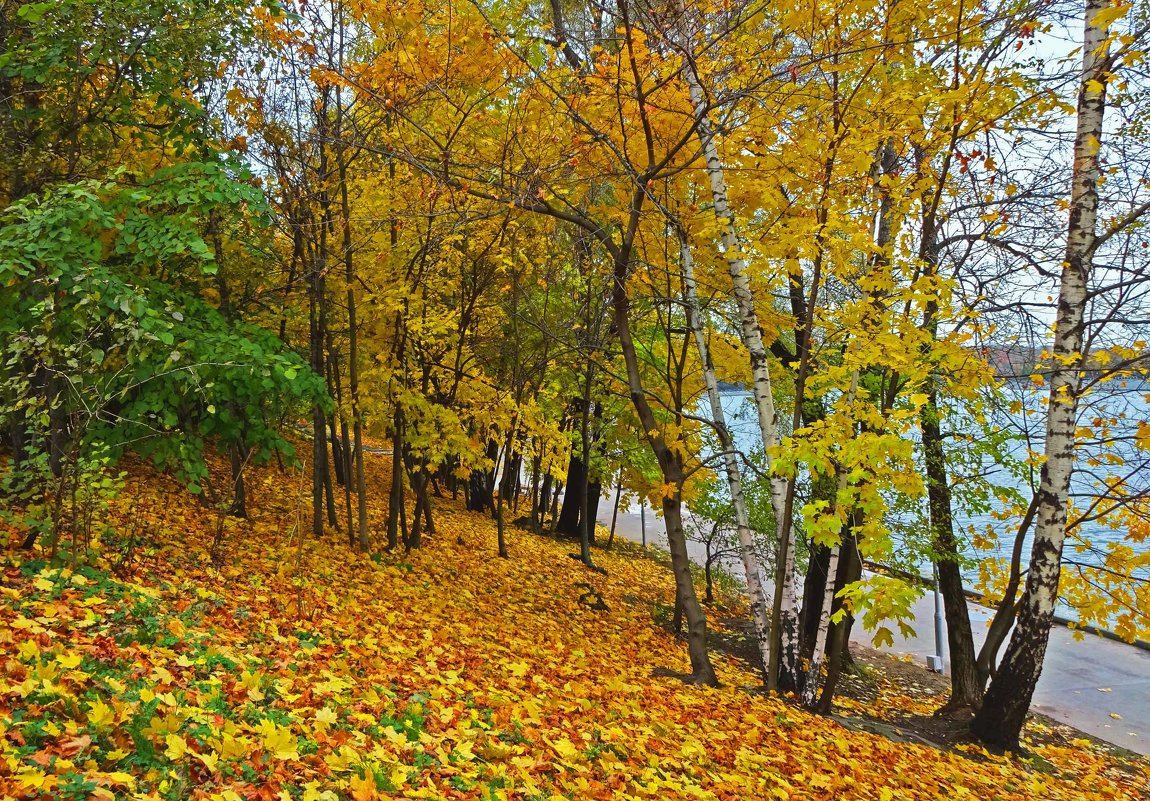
(1096, 685)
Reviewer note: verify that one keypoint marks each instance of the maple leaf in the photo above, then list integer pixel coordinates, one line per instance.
(325, 717)
(278, 740)
(176, 747)
(71, 748)
(100, 714)
(565, 749)
(210, 760)
(364, 789)
(70, 661)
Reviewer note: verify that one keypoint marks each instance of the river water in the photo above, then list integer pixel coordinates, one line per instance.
(1122, 407)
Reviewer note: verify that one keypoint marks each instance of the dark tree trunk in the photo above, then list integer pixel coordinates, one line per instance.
(419, 487)
(544, 498)
(568, 524)
(965, 686)
(671, 468)
(395, 498)
(337, 452)
(813, 585)
(239, 507)
(535, 494)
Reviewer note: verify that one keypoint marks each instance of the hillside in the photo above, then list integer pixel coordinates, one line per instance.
(302, 670)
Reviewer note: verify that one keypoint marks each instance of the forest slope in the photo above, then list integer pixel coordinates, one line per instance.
(309, 672)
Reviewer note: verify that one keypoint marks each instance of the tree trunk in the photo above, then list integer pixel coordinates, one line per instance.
(615, 511)
(319, 437)
(783, 657)
(594, 496)
(809, 692)
(544, 498)
(965, 686)
(535, 462)
(999, 720)
(670, 465)
(239, 507)
(756, 594)
(395, 498)
(352, 328)
(569, 512)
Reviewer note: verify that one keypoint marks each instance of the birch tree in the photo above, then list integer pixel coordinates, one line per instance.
(1007, 700)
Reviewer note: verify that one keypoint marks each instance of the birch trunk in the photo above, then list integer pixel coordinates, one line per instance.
(999, 721)
(784, 658)
(755, 593)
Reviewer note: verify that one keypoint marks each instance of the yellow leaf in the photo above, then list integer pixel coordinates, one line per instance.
(342, 759)
(70, 661)
(564, 748)
(100, 714)
(364, 789)
(1108, 16)
(278, 740)
(118, 779)
(177, 747)
(35, 779)
(325, 717)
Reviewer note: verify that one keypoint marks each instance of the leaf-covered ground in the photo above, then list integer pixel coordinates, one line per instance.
(305, 671)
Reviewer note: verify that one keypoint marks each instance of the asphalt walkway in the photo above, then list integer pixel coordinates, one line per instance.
(1096, 685)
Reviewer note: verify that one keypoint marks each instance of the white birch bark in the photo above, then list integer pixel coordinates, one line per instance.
(756, 594)
(731, 249)
(1000, 719)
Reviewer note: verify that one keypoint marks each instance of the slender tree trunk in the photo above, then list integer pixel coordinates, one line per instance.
(965, 686)
(544, 497)
(702, 672)
(395, 498)
(500, 535)
(965, 683)
(999, 720)
(329, 491)
(419, 487)
(239, 456)
(337, 458)
(428, 520)
(1003, 620)
(587, 522)
(535, 467)
(319, 438)
(352, 327)
(615, 511)
(783, 657)
(554, 509)
(808, 691)
(756, 593)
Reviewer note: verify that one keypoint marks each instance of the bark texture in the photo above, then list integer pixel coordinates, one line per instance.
(999, 720)
(783, 658)
(755, 592)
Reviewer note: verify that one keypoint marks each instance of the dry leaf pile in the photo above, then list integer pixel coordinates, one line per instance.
(310, 672)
